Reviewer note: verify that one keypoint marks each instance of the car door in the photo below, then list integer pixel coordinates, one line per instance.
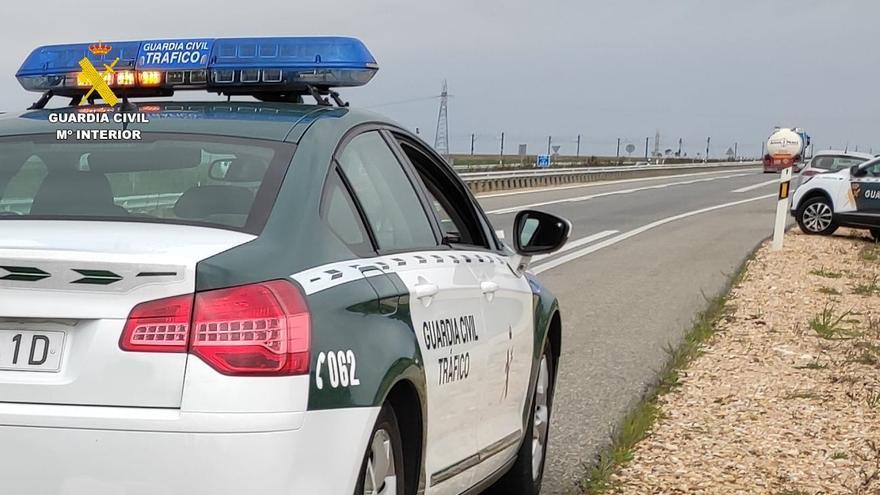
(506, 303)
(443, 303)
(866, 192)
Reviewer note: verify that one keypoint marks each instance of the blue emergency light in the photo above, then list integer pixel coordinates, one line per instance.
(270, 68)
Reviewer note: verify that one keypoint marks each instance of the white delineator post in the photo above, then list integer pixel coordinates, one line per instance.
(781, 208)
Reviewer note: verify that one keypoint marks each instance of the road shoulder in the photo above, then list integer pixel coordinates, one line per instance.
(775, 390)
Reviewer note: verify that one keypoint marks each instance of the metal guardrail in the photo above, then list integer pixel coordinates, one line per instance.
(130, 203)
(481, 182)
(581, 170)
(148, 200)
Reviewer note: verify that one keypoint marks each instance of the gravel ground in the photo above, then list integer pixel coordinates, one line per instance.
(786, 397)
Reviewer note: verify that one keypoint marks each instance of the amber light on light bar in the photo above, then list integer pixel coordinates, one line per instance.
(125, 78)
(149, 78)
(83, 82)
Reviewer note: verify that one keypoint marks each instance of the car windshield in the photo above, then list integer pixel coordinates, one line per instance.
(836, 163)
(164, 178)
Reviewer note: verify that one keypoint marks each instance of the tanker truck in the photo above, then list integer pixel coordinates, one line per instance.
(785, 148)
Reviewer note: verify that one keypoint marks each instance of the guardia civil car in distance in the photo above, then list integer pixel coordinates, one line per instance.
(847, 198)
(250, 297)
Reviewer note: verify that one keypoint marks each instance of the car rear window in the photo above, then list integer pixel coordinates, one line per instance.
(836, 163)
(164, 178)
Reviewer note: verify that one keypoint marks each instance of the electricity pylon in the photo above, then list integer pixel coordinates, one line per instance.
(441, 136)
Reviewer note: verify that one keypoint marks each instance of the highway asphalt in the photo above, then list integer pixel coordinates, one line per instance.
(643, 257)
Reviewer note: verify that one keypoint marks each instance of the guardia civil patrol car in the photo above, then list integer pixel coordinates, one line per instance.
(243, 297)
(848, 198)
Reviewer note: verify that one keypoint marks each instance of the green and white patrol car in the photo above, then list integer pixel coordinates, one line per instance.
(847, 198)
(256, 297)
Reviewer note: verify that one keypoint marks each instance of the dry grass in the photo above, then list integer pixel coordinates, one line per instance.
(785, 397)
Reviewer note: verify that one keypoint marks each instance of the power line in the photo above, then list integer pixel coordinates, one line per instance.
(402, 102)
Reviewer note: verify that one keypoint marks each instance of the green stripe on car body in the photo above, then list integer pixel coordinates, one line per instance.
(383, 344)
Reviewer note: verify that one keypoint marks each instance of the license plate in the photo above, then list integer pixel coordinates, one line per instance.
(23, 350)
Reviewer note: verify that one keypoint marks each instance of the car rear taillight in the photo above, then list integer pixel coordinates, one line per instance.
(259, 329)
(158, 326)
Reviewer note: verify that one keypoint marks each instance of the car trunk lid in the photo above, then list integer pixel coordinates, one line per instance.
(66, 289)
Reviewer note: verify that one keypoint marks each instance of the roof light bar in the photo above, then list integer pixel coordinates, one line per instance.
(279, 66)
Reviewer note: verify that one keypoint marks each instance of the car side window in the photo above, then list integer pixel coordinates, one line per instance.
(386, 195)
(342, 216)
(838, 163)
(459, 222)
(450, 228)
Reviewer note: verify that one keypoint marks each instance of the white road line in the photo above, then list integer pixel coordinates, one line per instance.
(514, 209)
(578, 243)
(600, 183)
(543, 267)
(755, 186)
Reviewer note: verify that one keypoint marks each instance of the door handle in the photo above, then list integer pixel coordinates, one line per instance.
(426, 290)
(488, 287)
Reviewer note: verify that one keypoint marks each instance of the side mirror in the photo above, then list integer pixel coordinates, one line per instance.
(857, 171)
(536, 232)
(219, 169)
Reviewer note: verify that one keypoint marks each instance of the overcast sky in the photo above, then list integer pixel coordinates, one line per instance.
(533, 68)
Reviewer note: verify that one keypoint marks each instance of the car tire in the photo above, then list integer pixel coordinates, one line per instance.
(527, 473)
(875, 233)
(383, 459)
(815, 216)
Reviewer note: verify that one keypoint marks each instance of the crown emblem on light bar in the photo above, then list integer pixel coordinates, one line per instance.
(100, 48)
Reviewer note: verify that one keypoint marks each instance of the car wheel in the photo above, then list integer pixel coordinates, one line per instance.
(527, 472)
(382, 467)
(816, 217)
(875, 233)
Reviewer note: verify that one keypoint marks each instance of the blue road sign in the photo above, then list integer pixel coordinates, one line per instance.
(543, 161)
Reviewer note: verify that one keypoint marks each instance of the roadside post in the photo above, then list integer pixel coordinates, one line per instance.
(782, 208)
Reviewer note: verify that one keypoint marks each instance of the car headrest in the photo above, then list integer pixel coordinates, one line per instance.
(74, 193)
(202, 202)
